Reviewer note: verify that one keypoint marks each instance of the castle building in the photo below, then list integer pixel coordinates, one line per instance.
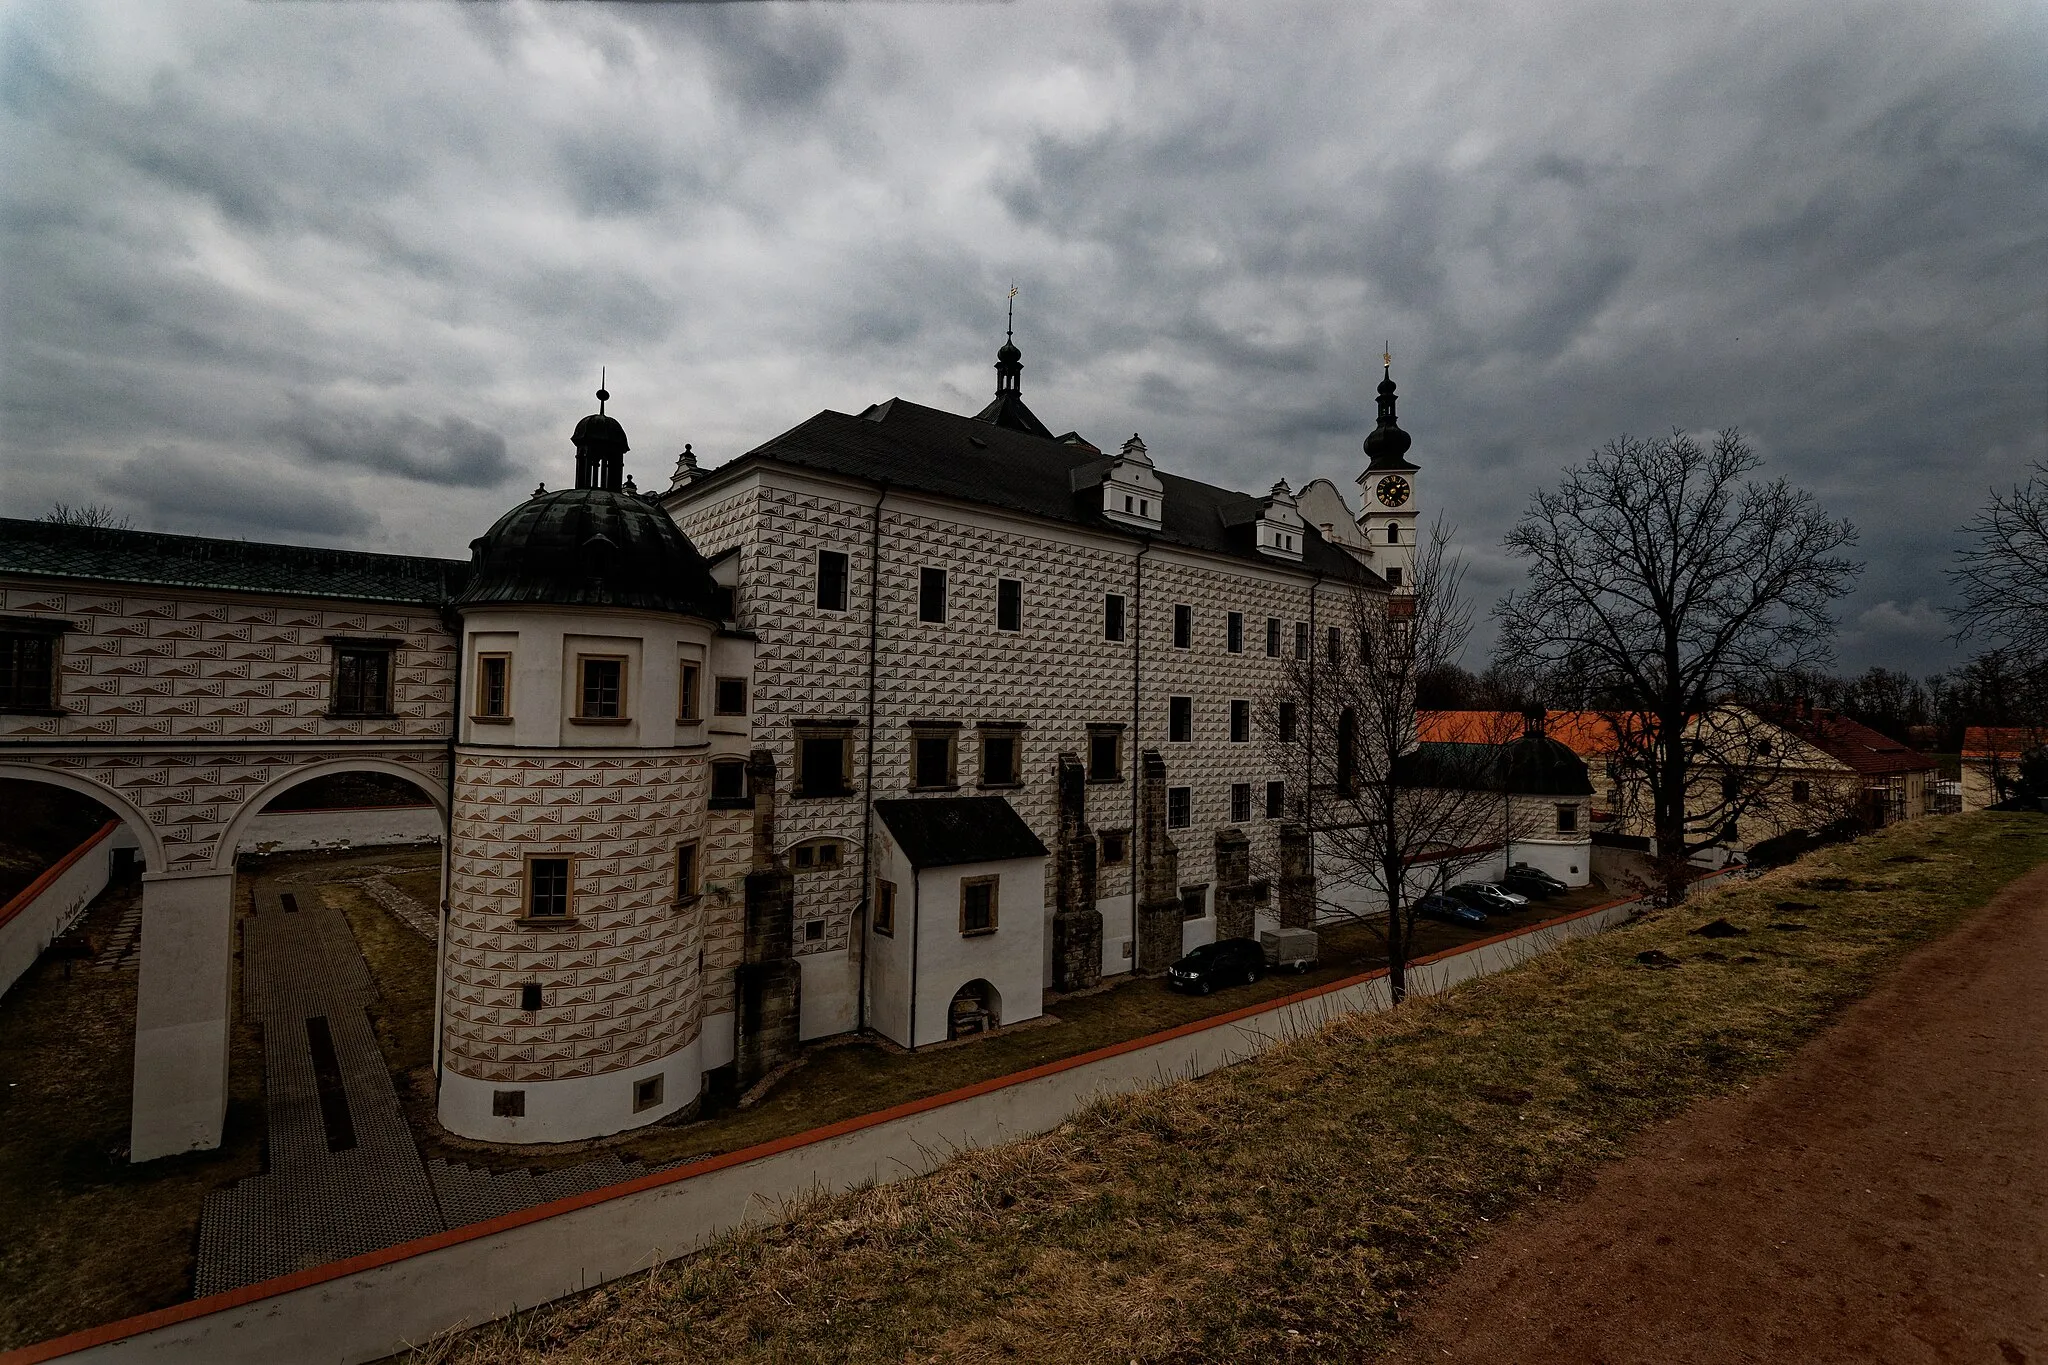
(898, 721)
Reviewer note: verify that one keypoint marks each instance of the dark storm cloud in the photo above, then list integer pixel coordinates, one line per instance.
(350, 272)
(181, 490)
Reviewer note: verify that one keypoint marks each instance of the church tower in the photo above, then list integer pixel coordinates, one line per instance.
(1387, 501)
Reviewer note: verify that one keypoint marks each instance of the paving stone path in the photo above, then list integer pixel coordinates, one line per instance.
(344, 1175)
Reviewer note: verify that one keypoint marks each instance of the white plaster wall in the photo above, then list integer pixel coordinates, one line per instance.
(1010, 959)
(1569, 862)
(1195, 932)
(1118, 954)
(568, 1110)
(827, 998)
(36, 921)
(355, 826)
(717, 1039)
(889, 954)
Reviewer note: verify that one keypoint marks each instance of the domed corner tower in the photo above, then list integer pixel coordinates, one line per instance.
(1549, 803)
(587, 869)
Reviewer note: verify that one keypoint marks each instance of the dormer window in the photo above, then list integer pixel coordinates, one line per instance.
(1278, 521)
(1131, 491)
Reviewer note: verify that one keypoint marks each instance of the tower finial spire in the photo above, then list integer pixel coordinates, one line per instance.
(1010, 322)
(602, 396)
(1387, 357)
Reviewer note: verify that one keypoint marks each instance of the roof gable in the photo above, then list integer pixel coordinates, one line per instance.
(948, 831)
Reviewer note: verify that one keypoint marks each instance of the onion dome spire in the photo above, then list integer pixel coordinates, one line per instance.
(1008, 409)
(1387, 445)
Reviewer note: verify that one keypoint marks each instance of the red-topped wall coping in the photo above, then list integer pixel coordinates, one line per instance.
(27, 895)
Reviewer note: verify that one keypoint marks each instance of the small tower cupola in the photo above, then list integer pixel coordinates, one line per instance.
(1388, 511)
(1131, 490)
(600, 449)
(686, 471)
(1280, 524)
(1008, 409)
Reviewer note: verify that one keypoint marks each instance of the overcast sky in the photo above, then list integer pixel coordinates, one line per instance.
(345, 273)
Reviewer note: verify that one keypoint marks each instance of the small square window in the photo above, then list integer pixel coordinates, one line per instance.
(803, 856)
(1272, 637)
(508, 1104)
(885, 907)
(1240, 722)
(1284, 715)
(1301, 639)
(1802, 792)
(1183, 626)
(28, 672)
(931, 595)
(1114, 848)
(999, 766)
(1276, 800)
(686, 871)
(362, 678)
(1567, 819)
(730, 697)
(1009, 604)
(978, 905)
(833, 575)
(1180, 807)
(1194, 901)
(1113, 616)
(493, 686)
(814, 931)
(1234, 633)
(728, 783)
(1180, 720)
(529, 996)
(601, 688)
(1240, 802)
(1393, 575)
(688, 691)
(647, 1093)
(1105, 756)
(932, 761)
(547, 888)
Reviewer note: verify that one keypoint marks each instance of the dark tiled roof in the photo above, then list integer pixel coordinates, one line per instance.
(47, 550)
(1530, 766)
(911, 446)
(946, 831)
(591, 547)
(1854, 744)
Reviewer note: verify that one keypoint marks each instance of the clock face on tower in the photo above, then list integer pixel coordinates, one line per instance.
(1393, 490)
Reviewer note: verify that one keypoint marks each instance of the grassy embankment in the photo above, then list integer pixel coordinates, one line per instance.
(1289, 1209)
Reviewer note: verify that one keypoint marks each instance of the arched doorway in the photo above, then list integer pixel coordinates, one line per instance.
(977, 1007)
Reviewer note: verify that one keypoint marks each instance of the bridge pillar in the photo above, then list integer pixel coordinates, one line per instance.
(181, 1014)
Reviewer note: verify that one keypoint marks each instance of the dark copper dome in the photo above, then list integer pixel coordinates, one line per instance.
(590, 547)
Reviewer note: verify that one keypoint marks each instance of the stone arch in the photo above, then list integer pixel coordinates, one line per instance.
(224, 851)
(145, 833)
(975, 1008)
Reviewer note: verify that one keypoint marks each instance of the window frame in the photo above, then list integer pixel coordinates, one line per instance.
(883, 920)
(1240, 720)
(920, 735)
(1802, 791)
(1272, 637)
(1119, 617)
(483, 714)
(18, 637)
(688, 871)
(819, 581)
(1240, 800)
(1567, 817)
(1183, 625)
(527, 913)
(342, 649)
(718, 686)
(689, 691)
(1122, 846)
(1180, 720)
(994, 884)
(1010, 593)
(744, 800)
(582, 716)
(1115, 735)
(648, 1092)
(1186, 796)
(1287, 722)
(1233, 632)
(1302, 643)
(1199, 894)
(1276, 799)
(927, 575)
(806, 735)
(1333, 645)
(1007, 734)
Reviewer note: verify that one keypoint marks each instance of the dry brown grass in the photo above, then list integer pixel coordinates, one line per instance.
(1289, 1209)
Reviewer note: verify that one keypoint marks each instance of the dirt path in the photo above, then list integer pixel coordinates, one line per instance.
(1883, 1199)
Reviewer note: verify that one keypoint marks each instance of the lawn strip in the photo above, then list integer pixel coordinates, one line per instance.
(1291, 1207)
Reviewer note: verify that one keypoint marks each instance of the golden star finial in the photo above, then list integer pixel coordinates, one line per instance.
(1387, 355)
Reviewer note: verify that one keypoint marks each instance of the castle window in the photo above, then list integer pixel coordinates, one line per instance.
(1393, 575)
(1802, 792)
(1194, 901)
(493, 687)
(686, 872)
(1183, 626)
(647, 1093)
(1272, 637)
(999, 766)
(1114, 848)
(1105, 753)
(824, 762)
(1333, 645)
(1567, 819)
(1347, 752)
(931, 759)
(1276, 800)
(1393, 533)
(508, 1104)
(28, 671)
(885, 907)
(1010, 604)
(729, 697)
(817, 855)
(729, 784)
(1234, 633)
(1240, 802)
(688, 688)
(978, 905)
(547, 888)
(529, 997)
(601, 693)
(834, 569)
(1240, 722)
(1301, 639)
(1180, 807)
(931, 595)
(814, 931)
(362, 679)
(1113, 616)
(1180, 720)
(1284, 716)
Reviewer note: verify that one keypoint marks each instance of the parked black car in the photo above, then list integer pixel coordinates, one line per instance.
(1436, 905)
(1494, 900)
(1226, 962)
(1534, 883)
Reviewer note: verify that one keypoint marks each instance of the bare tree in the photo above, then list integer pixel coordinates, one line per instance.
(2003, 578)
(86, 514)
(1384, 812)
(1661, 580)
